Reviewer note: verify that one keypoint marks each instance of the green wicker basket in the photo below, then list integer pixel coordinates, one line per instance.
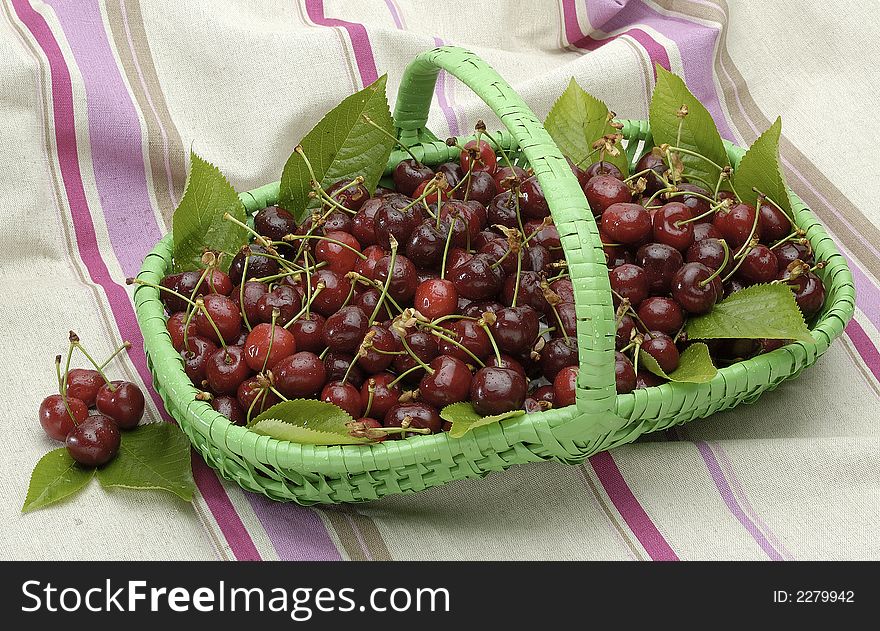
(600, 419)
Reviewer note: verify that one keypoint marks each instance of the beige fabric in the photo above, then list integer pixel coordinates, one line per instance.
(243, 82)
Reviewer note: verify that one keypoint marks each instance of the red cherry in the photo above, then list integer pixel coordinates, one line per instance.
(93, 442)
(449, 382)
(668, 226)
(629, 224)
(338, 258)
(84, 384)
(384, 395)
(478, 157)
(300, 375)
(343, 395)
(565, 386)
(55, 419)
(174, 325)
(124, 404)
(257, 351)
(436, 298)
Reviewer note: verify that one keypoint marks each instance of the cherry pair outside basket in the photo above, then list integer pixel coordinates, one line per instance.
(600, 419)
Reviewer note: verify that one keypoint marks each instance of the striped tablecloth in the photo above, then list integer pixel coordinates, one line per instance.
(102, 99)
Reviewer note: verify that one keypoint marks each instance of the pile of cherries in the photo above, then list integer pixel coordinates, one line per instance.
(454, 287)
(92, 439)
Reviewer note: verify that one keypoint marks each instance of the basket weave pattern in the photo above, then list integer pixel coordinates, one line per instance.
(599, 420)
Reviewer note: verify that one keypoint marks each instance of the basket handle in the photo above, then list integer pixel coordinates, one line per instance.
(596, 326)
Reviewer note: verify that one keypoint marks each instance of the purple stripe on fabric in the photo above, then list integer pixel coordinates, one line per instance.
(865, 347)
(395, 14)
(296, 532)
(732, 505)
(114, 135)
(87, 242)
(440, 90)
(360, 41)
(630, 509)
(577, 38)
(221, 507)
(600, 11)
(736, 485)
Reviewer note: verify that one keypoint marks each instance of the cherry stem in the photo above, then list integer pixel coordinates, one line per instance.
(589, 155)
(395, 381)
(74, 342)
(139, 281)
(696, 155)
(277, 394)
(308, 282)
(261, 394)
(371, 392)
(446, 246)
(62, 382)
(516, 280)
(360, 278)
(58, 373)
(559, 321)
(721, 267)
(635, 176)
(436, 333)
(124, 346)
(453, 316)
(792, 236)
(247, 258)
(263, 241)
(415, 357)
(396, 140)
(774, 204)
(712, 210)
(293, 237)
(387, 283)
(275, 313)
(200, 304)
(544, 224)
(329, 200)
(318, 288)
(495, 348)
(350, 366)
(302, 154)
(747, 246)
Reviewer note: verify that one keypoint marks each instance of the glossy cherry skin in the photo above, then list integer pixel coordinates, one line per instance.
(408, 174)
(274, 223)
(352, 196)
(436, 298)
(630, 282)
(809, 292)
(660, 262)
(300, 375)
(563, 288)
(308, 332)
(468, 334)
(498, 249)
(94, 442)
(337, 221)
(603, 191)
(544, 393)
(507, 362)
(534, 204)
(230, 408)
(791, 251)
(697, 205)
(257, 266)
(367, 300)
(226, 369)
(624, 373)
(257, 352)
(449, 383)
(478, 156)
(439, 193)
(336, 289)
(285, 298)
(251, 294)
(548, 237)
(415, 415)
(393, 217)
(647, 379)
(668, 228)
(55, 419)
(183, 283)
(661, 347)
(336, 365)
(174, 325)
(465, 218)
(529, 292)
(759, 265)
(773, 225)
(497, 390)
(338, 258)
(426, 244)
(568, 318)
(225, 315)
(515, 329)
(654, 162)
(476, 279)
(661, 314)
(565, 386)
(404, 278)
(363, 224)
(629, 224)
(625, 327)
(537, 258)
(343, 395)
(83, 384)
(557, 354)
(424, 346)
(735, 224)
(710, 252)
(195, 358)
(344, 330)
(691, 292)
(382, 339)
(599, 168)
(705, 231)
(506, 176)
(124, 404)
(255, 397)
(452, 171)
(384, 395)
(367, 267)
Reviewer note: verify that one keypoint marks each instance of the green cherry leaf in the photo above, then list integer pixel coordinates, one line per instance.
(744, 314)
(698, 131)
(307, 421)
(694, 366)
(198, 221)
(760, 169)
(576, 120)
(55, 477)
(153, 456)
(464, 418)
(342, 145)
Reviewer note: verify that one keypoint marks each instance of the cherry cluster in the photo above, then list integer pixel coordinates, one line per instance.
(91, 439)
(453, 287)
